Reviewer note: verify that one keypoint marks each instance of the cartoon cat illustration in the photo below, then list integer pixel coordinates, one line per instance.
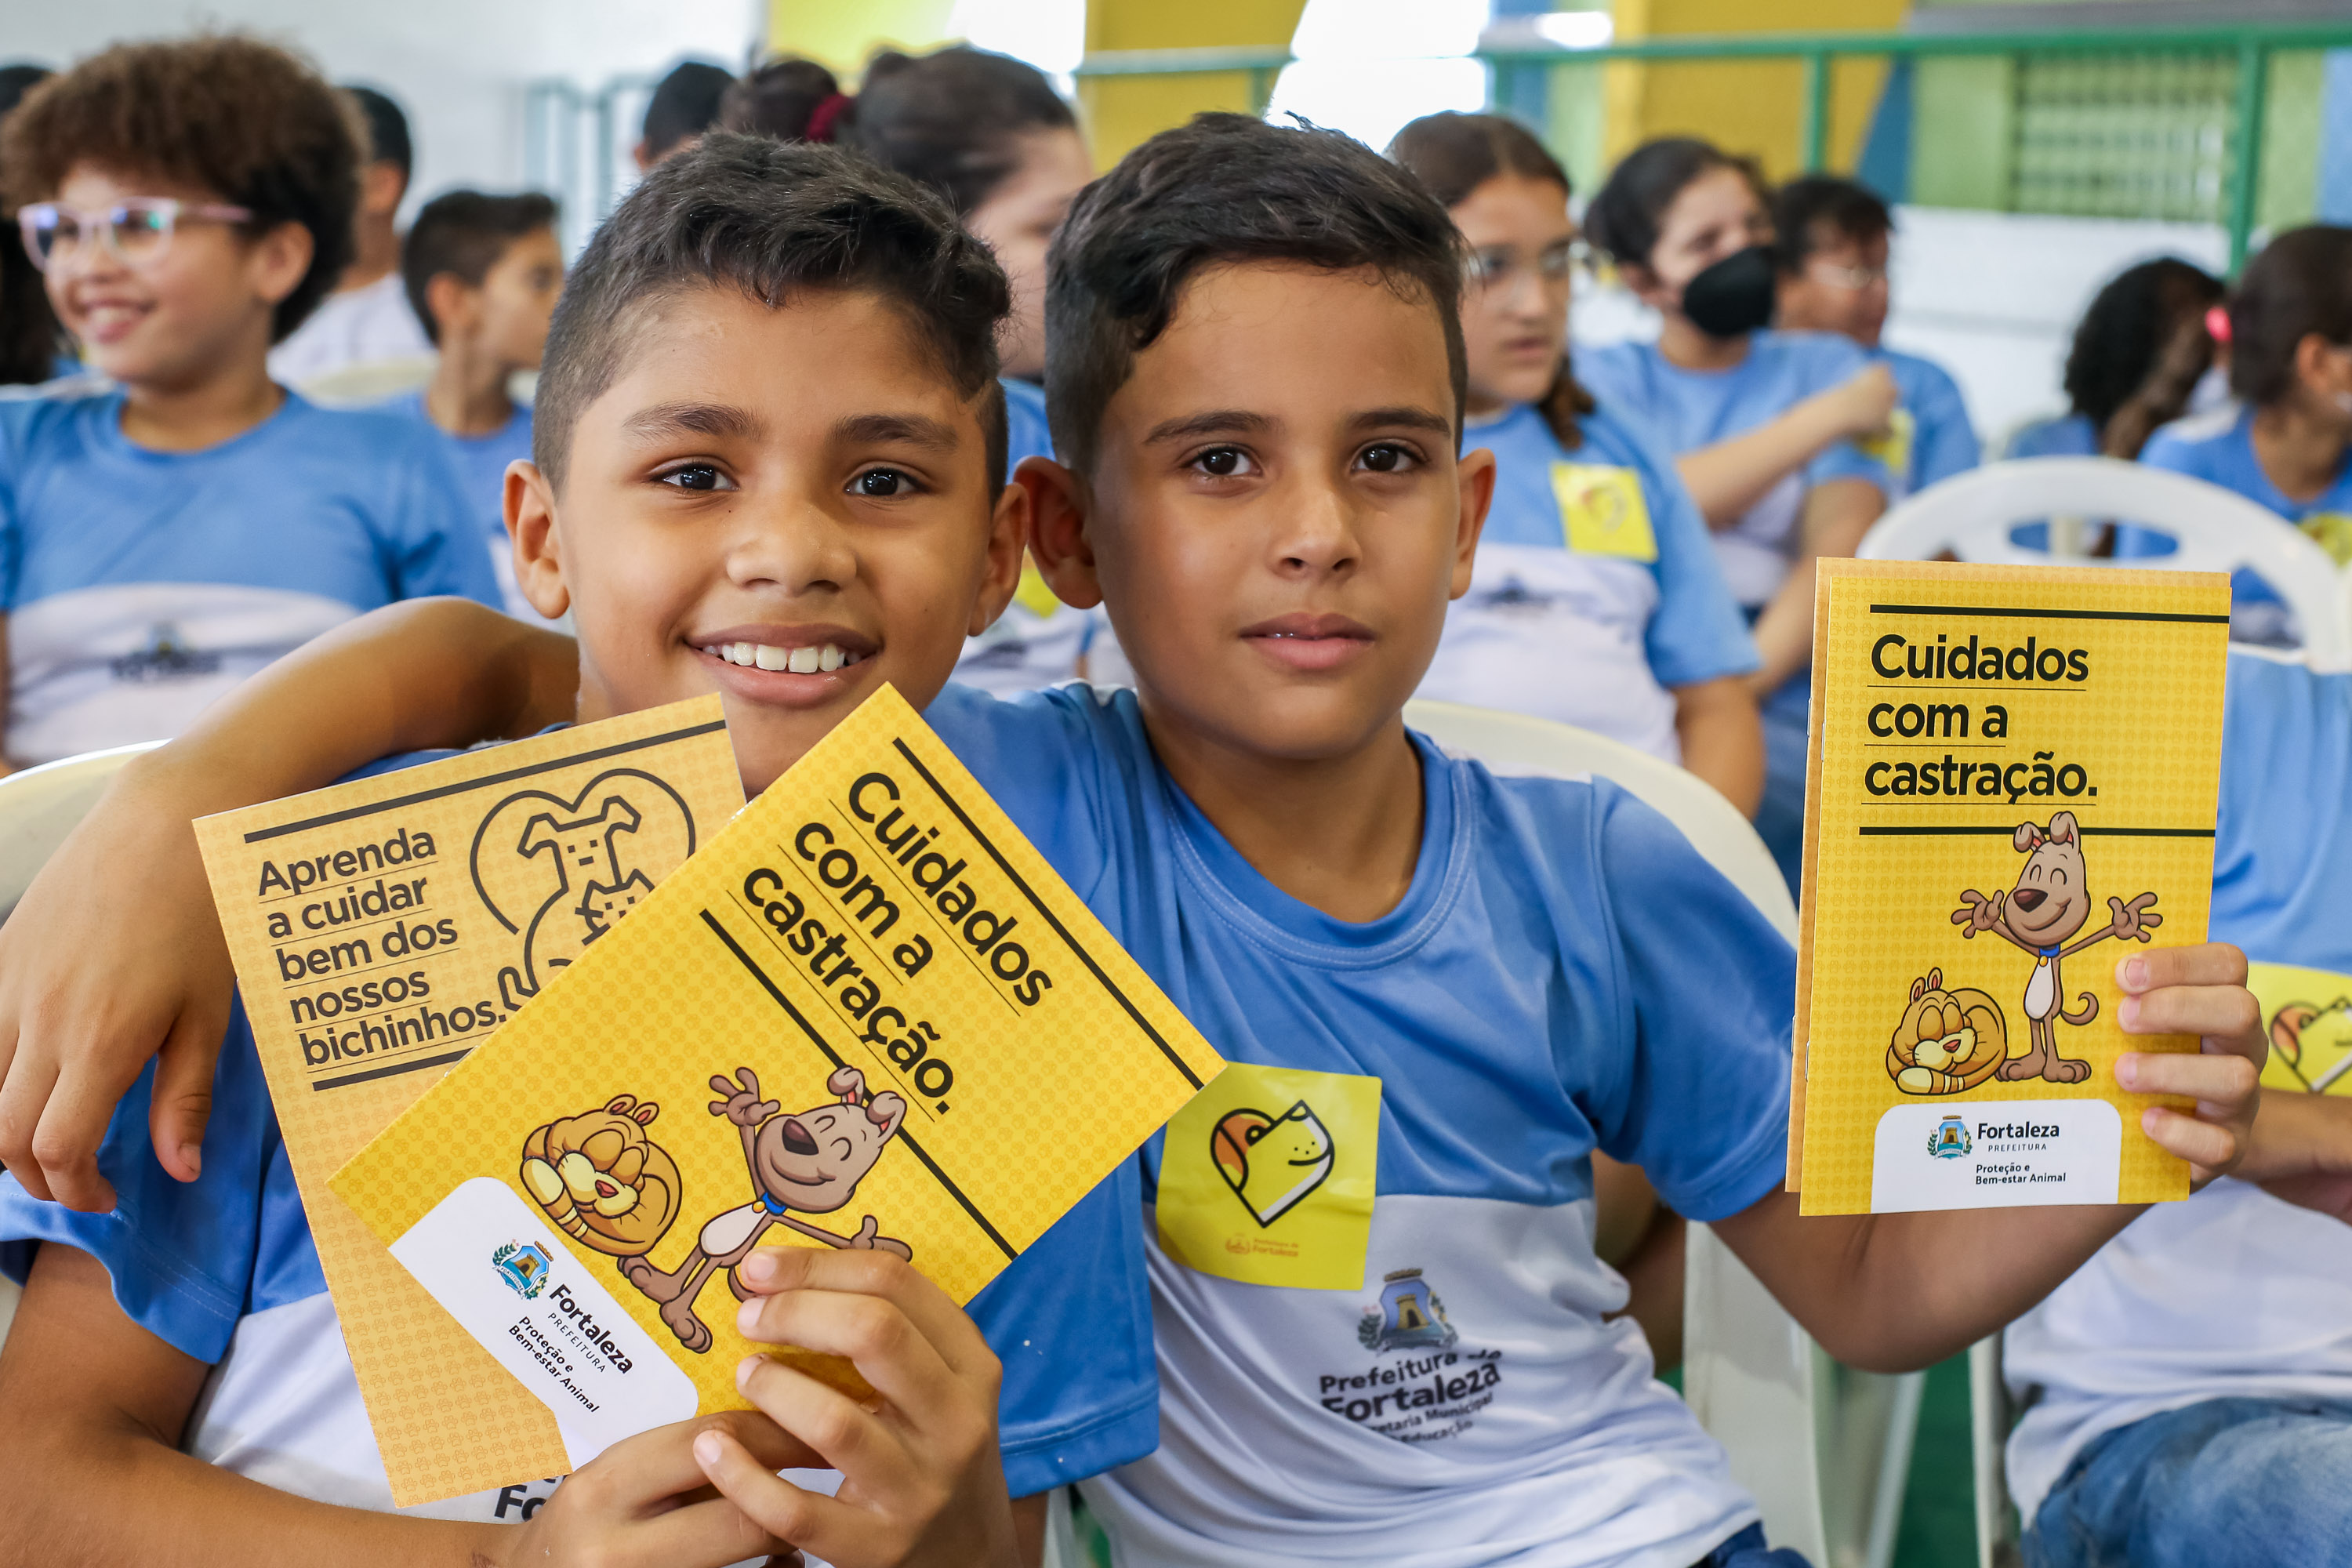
(809, 1161)
(1948, 1040)
(601, 1180)
(2050, 903)
(1271, 1161)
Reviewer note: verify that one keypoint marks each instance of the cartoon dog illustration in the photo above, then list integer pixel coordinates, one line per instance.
(807, 1162)
(1271, 1161)
(601, 1180)
(1948, 1040)
(2050, 903)
(2314, 1043)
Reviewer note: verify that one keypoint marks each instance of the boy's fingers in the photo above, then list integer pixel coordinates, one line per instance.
(888, 1347)
(182, 1101)
(2214, 1149)
(2221, 1082)
(771, 1271)
(795, 1516)
(2213, 1012)
(2206, 963)
(73, 1124)
(707, 1535)
(22, 1096)
(845, 1436)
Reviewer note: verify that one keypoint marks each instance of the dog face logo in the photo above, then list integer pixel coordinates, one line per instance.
(2316, 1043)
(800, 1163)
(2051, 903)
(601, 1180)
(1948, 1040)
(559, 872)
(1271, 1161)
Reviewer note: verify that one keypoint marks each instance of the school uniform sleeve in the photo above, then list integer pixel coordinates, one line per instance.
(1945, 442)
(1697, 633)
(1708, 990)
(181, 1256)
(1612, 374)
(433, 536)
(1830, 361)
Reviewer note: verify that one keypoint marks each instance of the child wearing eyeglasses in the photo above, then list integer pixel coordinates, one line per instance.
(1596, 600)
(188, 203)
(1833, 250)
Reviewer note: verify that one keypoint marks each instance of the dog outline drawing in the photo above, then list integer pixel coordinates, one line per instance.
(2050, 903)
(1272, 1163)
(2313, 1044)
(805, 1162)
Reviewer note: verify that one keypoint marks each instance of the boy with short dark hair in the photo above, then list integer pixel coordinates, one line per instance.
(190, 203)
(481, 273)
(365, 321)
(1458, 985)
(685, 104)
(1832, 251)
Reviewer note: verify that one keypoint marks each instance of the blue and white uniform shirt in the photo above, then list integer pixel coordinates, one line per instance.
(1683, 410)
(1931, 438)
(1564, 973)
(2217, 446)
(1037, 640)
(140, 585)
(481, 464)
(1595, 591)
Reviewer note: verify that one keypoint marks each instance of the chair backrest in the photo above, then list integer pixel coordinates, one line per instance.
(368, 381)
(1970, 517)
(1749, 1372)
(41, 806)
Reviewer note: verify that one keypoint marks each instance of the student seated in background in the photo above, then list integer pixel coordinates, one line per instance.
(1833, 250)
(482, 274)
(2140, 355)
(770, 408)
(1256, 387)
(1596, 598)
(189, 204)
(366, 320)
(684, 105)
(2188, 1393)
(2283, 444)
(1763, 424)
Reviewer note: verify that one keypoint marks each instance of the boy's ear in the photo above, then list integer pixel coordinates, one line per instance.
(451, 300)
(1008, 535)
(279, 261)
(529, 502)
(1057, 532)
(1476, 475)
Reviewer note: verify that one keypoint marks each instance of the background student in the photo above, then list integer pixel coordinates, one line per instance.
(684, 105)
(1597, 600)
(1762, 424)
(2137, 358)
(482, 273)
(366, 318)
(32, 349)
(1833, 250)
(190, 202)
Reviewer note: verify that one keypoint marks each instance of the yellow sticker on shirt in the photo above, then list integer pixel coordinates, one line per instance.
(1602, 512)
(1892, 445)
(2308, 1015)
(2333, 533)
(1268, 1178)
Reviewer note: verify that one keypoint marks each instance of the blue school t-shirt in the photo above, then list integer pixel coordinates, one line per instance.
(1564, 973)
(1037, 640)
(1595, 591)
(224, 1269)
(1683, 410)
(2219, 447)
(140, 585)
(1940, 441)
(2068, 436)
(2234, 1293)
(482, 466)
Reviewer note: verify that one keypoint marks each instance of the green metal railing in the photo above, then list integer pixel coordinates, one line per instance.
(2252, 43)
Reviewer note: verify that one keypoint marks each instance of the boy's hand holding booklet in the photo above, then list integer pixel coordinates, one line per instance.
(2013, 785)
(863, 1015)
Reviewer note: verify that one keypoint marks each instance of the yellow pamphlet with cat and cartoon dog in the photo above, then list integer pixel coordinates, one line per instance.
(2013, 783)
(864, 1015)
(382, 930)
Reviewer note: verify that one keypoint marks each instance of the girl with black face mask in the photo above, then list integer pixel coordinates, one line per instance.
(1765, 425)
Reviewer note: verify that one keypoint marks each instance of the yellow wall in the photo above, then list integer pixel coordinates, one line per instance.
(1121, 111)
(845, 35)
(1745, 107)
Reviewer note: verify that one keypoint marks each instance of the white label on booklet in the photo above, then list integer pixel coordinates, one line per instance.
(532, 1305)
(1997, 1153)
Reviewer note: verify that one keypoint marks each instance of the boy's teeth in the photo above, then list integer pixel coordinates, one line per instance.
(769, 657)
(803, 660)
(828, 658)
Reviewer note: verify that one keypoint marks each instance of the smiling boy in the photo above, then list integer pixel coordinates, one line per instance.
(1255, 375)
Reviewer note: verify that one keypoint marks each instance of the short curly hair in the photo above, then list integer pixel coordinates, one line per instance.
(231, 114)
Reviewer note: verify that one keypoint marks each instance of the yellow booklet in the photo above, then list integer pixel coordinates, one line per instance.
(866, 1015)
(2013, 783)
(382, 930)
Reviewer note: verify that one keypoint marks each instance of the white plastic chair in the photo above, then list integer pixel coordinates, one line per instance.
(368, 381)
(1753, 1377)
(1970, 517)
(37, 808)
